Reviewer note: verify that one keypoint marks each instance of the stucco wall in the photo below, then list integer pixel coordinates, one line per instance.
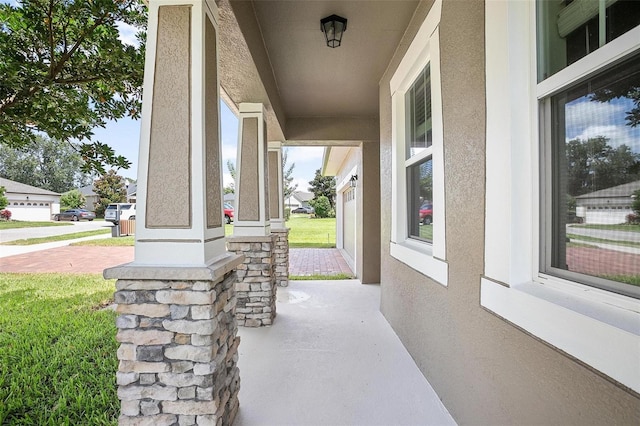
(485, 370)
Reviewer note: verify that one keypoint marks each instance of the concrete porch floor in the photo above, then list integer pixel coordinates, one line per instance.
(331, 358)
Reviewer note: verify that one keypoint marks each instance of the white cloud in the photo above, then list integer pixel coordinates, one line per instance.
(127, 33)
(229, 152)
(617, 135)
(226, 179)
(303, 184)
(583, 113)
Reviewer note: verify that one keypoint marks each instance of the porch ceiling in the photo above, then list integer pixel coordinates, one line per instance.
(306, 81)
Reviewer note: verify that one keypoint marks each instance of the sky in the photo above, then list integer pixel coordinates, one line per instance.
(124, 135)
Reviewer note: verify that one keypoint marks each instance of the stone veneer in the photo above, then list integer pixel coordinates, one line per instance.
(282, 256)
(178, 346)
(256, 286)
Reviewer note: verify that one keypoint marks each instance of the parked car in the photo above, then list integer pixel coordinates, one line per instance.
(127, 212)
(228, 213)
(75, 215)
(303, 209)
(426, 213)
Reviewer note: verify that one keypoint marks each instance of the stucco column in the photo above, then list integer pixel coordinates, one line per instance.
(180, 216)
(276, 189)
(252, 237)
(176, 302)
(252, 217)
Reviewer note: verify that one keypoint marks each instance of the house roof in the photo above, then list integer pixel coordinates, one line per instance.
(624, 190)
(21, 188)
(302, 196)
(87, 191)
(229, 197)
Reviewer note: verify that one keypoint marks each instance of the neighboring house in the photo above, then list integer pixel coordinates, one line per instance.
(28, 203)
(344, 163)
(230, 199)
(132, 189)
(91, 198)
(298, 199)
(463, 108)
(607, 206)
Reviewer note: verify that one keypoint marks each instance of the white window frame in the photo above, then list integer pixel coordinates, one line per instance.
(428, 259)
(599, 328)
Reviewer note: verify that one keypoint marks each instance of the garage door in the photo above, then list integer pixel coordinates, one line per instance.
(349, 225)
(27, 211)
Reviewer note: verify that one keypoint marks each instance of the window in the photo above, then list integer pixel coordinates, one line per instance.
(418, 237)
(527, 174)
(592, 138)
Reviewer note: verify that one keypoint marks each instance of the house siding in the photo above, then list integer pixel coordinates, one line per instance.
(485, 370)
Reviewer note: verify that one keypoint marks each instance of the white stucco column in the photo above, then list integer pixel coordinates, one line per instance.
(252, 217)
(180, 216)
(276, 190)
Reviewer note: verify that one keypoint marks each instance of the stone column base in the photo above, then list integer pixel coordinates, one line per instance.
(178, 346)
(256, 285)
(282, 256)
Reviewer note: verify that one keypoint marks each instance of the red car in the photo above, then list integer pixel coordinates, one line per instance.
(426, 213)
(228, 213)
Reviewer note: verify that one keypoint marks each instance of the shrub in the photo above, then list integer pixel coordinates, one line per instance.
(633, 219)
(72, 199)
(5, 214)
(287, 213)
(4, 202)
(321, 206)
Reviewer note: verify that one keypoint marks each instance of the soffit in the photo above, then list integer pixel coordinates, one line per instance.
(314, 80)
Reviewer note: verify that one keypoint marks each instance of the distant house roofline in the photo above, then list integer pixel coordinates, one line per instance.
(22, 188)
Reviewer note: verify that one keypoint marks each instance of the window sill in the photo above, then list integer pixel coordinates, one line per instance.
(419, 257)
(603, 334)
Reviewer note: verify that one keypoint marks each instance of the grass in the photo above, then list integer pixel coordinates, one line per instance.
(622, 227)
(16, 224)
(583, 238)
(57, 350)
(107, 242)
(340, 276)
(31, 241)
(311, 233)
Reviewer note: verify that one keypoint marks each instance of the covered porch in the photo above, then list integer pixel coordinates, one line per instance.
(331, 358)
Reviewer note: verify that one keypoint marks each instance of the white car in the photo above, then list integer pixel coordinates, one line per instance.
(120, 211)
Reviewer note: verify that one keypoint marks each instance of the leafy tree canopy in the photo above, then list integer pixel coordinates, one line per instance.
(45, 163)
(593, 165)
(321, 206)
(109, 188)
(64, 71)
(287, 175)
(324, 185)
(4, 202)
(73, 199)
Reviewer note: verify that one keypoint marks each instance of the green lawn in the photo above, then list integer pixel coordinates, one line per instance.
(305, 232)
(107, 242)
(310, 232)
(14, 224)
(57, 350)
(630, 228)
(31, 241)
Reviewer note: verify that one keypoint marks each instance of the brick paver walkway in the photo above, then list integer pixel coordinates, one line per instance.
(70, 259)
(89, 259)
(307, 261)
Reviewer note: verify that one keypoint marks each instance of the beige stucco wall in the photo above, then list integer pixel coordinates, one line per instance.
(485, 370)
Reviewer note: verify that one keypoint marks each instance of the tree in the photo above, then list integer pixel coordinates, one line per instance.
(287, 175)
(47, 163)
(324, 185)
(110, 189)
(3, 200)
(635, 204)
(231, 188)
(321, 206)
(64, 71)
(73, 199)
(593, 165)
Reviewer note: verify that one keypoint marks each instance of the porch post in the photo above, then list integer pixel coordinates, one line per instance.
(177, 329)
(276, 207)
(252, 237)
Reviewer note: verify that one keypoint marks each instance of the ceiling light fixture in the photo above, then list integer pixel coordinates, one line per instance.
(333, 27)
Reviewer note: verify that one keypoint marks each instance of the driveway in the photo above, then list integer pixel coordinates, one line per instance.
(48, 231)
